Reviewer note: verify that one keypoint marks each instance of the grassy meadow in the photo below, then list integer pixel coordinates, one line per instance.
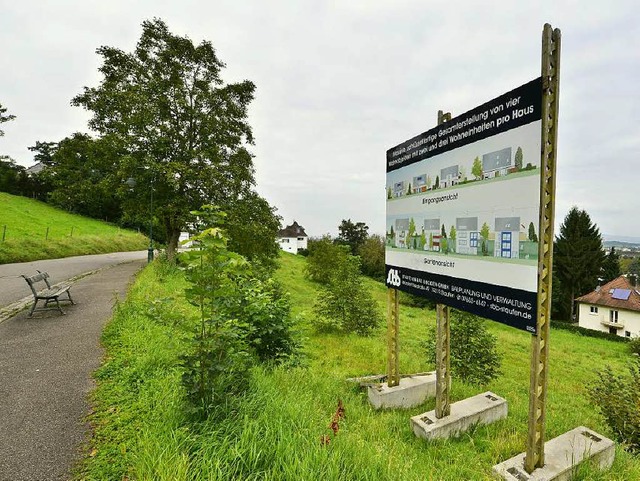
(34, 230)
(141, 432)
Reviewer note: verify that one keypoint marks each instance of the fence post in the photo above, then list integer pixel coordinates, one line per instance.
(4, 232)
(46, 236)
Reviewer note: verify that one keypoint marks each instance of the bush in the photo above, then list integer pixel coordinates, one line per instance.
(474, 354)
(324, 258)
(371, 253)
(242, 318)
(634, 346)
(617, 397)
(344, 305)
(265, 310)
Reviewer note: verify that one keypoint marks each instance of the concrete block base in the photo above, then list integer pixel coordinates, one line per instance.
(412, 391)
(480, 409)
(562, 455)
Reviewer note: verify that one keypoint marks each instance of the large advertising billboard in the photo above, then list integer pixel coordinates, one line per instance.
(463, 204)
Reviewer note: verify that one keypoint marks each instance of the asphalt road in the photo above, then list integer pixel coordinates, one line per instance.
(13, 287)
(45, 371)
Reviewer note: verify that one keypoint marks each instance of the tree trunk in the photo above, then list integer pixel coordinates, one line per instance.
(172, 231)
(572, 303)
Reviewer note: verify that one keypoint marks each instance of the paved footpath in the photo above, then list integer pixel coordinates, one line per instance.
(45, 376)
(13, 287)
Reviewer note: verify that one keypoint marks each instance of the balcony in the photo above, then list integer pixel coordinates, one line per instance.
(617, 325)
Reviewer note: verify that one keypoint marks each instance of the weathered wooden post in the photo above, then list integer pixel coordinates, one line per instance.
(443, 341)
(540, 342)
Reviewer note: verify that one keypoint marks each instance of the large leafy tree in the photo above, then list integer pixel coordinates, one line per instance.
(577, 260)
(81, 173)
(184, 130)
(352, 234)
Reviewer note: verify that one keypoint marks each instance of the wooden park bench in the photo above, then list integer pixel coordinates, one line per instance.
(50, 294)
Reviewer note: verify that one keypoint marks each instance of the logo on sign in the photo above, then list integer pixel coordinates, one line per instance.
(393, 277)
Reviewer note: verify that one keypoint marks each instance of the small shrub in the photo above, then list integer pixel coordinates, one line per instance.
(634, 346)
(474, 354)
(344, 304)
(617, 397)
(324, 258)
(371, 253)
(266, 311)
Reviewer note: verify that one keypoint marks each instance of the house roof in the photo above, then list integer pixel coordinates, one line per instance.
(293, 230)
(36, 168)
(612, 294)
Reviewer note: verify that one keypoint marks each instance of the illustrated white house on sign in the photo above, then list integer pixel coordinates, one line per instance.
(420, 183)
(401, 231)
(612, 308)
(432, 233)
(449, 176)
(496, 163)
(507, 243)
(292, 238)
(399, 189)
(467, 235)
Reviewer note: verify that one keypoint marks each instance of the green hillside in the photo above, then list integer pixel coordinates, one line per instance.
(34, 230)
(144, 432)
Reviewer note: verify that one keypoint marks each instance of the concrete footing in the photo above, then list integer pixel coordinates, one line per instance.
(562, 455)
(412, 391)
(483, 408)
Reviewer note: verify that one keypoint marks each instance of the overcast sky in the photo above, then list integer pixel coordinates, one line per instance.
(339, 83)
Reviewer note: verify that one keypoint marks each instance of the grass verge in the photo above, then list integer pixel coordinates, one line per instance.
(141, 432)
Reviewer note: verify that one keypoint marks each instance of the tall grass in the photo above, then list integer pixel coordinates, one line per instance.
(34, 230)
(275, 434)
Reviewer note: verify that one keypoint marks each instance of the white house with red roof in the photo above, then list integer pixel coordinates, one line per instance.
(612, 308)
(292, 238)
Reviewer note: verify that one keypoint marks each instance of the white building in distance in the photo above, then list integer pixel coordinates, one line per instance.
(292, 238)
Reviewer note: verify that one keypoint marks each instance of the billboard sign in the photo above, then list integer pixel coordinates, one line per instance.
(463, 206)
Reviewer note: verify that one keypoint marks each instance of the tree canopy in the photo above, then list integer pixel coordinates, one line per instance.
(577, 260)
(611, 266)
(183, 131)
(352, 234)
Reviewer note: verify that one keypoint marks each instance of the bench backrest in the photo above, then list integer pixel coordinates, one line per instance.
(39, 277)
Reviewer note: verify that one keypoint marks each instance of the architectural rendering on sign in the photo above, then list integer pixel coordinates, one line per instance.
(463, 209)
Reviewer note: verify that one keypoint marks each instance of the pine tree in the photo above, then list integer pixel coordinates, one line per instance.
(577, 260)
(611, 266)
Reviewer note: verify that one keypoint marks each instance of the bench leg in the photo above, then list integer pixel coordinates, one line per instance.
(59, 308)
(69, 294)
(33, 308)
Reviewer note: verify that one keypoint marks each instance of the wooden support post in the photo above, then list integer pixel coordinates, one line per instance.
(393, 329)
(443, 343)
(443, 361)
(534, 457)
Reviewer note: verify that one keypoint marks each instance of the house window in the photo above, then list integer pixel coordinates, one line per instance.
(594, 309)
(285, 241)
(473, 240)
(300, 238)
(613, 316)
(627, 333)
